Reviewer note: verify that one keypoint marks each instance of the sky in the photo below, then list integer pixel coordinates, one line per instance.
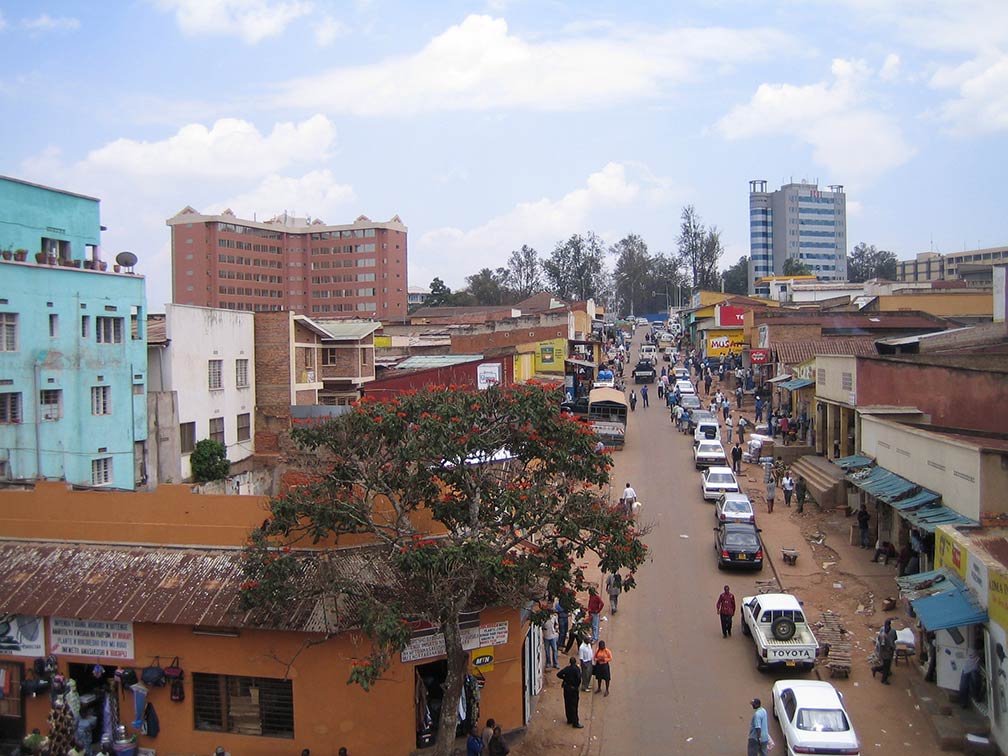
(488, 125)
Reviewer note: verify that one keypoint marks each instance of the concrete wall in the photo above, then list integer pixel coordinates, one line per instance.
(459, 375)
(479, 339)
(29, 213)
(831, 384)
(975, 304)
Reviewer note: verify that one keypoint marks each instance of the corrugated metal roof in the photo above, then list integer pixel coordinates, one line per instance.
(853, 461)
(157, 329)
(929, 518)
(881, 483)
(919, 499)
(348, 330)
(924, 584)
(421, 361)
(797, 383)
(797, 352)
(954, 608)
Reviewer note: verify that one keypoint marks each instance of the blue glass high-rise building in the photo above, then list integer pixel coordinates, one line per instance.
(800, 222)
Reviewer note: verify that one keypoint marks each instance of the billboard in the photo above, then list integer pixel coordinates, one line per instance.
(723, 343)
(727, 316)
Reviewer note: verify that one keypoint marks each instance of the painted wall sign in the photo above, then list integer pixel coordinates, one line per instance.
(727, 316)
(724, 343)
(758, 356)
(428, 646)
(488, 374)
(94, 638)
(482, 659)
(22, 635)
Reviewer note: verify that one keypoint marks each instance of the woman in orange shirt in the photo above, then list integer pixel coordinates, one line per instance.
(600, 667)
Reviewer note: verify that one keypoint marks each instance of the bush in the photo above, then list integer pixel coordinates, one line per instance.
(209, 461)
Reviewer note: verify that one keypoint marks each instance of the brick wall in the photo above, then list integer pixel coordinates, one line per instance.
(463, 374)
(477, 343)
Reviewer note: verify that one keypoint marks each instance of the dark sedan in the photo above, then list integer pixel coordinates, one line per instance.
(738, 544)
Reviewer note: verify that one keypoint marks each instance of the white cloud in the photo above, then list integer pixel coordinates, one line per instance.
(890, 67)
(231, 148)
(316, 194)
(479, 65)
(847, 137)
(252, 20)
(47, 23)
(617, 187)
(982, 104)
(328, 30)
(3, 21)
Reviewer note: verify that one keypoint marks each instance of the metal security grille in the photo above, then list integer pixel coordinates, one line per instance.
(243, 705)
(214, 373)
(10, 408)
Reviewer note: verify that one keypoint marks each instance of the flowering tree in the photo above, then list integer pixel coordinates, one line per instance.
(467, 499)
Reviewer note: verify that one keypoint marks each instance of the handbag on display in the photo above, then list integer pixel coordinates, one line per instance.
(126, 676)
(173, 671)
(154, 675)
(177, 690)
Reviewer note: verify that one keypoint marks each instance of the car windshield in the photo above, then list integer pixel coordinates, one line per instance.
(740, 540)
(710, 449)
(720, 478)
(822, 720)
(738, 506)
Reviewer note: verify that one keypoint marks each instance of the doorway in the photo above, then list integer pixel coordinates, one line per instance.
(12, 721)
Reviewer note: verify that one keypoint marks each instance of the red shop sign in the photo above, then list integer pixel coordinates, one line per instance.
(758, 356)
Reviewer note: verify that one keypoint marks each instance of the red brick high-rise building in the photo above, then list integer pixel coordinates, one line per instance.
(357, 270)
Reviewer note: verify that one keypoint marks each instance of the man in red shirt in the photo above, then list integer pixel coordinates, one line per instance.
(726, 610)
(595, 605)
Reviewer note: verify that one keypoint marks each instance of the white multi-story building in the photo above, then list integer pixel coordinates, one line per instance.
(799, 222)
(201, 363)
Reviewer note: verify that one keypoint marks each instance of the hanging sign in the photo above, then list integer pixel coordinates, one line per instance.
(22, 635)
(94, 638)
(482, 659)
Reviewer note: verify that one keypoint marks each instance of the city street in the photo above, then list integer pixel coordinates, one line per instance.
(678, 687)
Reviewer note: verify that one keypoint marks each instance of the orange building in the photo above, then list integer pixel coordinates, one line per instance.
(94, 578)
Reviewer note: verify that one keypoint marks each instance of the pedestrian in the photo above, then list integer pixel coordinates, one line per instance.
(571, 678)
(729, 423)
(595, 607)
(600, 667)
(784, 426)
(586, 654)
(474, 743)
(562, 623)
(706, 383)
(633, 400)
(779, 469)
(771, 492)
(759, 732)
(969, 674)
(759, 409)
(884, 549)
(628, 499)
(738, 397)
(497, 746)
(614, 586)
(885, 649)
(661, 390)
(736, 458)
(726, 611)
(551, 634)
(578, 632)
(787, 486)
(863, 518)
(801, 491)
(725, 408)
(742, 422)
(488, 732)
(644, 396)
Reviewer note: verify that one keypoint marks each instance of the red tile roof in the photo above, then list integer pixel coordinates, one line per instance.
(796, 352)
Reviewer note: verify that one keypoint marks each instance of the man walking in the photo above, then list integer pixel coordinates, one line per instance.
(585, 655)
(736, 458)
(551, 635)
(771, 492)
(613, 586)
(629, 499)
(726, 610)
(571, 678)
(863, 518)
(644, 396)
(787, 486)
(759, 409)
(729, 423)
(885, 649)
(595, 607)
(801, 489)
(759, 732)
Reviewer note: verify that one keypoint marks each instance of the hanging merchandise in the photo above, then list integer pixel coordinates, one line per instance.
(174, 670)
(62, 727)
(151, 724)
(177, 690)
(154, 676)
(127, 677)
(139, 700)
(98, 671)
(73, 698)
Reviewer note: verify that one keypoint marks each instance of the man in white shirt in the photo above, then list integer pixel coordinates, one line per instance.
(550, 633)
(628, 498)
(585, 655)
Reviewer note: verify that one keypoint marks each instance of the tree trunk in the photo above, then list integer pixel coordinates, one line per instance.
(458, 665)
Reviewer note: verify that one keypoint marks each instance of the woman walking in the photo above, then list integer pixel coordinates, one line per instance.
(600, 667)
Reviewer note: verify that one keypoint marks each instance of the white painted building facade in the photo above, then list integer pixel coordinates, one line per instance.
(203, 370)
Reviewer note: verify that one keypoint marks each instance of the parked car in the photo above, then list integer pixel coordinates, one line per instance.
(685, 387)
(734, 507)
(776, 623)
(738, 544)
(699, 416)
(680, 373)
(644, 372)
(709, 453)
(715, 481)
(706, 429)
(577, 406)
(690, 401)
(813, 718)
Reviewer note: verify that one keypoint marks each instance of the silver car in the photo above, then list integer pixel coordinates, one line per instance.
(734, 507)
(708, 453)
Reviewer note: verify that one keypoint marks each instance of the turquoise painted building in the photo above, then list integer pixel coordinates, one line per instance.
(73, 360)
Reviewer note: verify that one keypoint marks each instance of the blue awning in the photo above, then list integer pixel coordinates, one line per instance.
(924, 584)
(917, 500)
(853, 461)
(929, 518)
(954, 608)
(881, 483)
(797, 383)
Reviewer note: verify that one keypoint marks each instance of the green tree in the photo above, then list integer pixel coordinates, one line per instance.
(700, 250)
(523, 272)
(488, 287)
(795, 267)
(455, 528)
(736, 278)
(633, 274)
(440, 295)
(209, 461)
(865, 262)
(575, 269)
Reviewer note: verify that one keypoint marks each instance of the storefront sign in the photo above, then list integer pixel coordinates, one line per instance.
(482, 659)
(723, 343)
(22, 635)
(547, 354)
(976, 579)
(950, 554)
(727, 316)
(758, 356)
(94, 638)
(763, 337)
(997, 598)
(429, 646)
(488, 374)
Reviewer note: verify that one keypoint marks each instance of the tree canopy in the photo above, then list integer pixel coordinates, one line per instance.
(472, 499)
(523, 272)
(575, 269)
(865, 262)
(795, 267)
(736, 278)
(700, 250)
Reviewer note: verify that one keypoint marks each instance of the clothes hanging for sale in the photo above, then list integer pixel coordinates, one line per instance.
(139, 701)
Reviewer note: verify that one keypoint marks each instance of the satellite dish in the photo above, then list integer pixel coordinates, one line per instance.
(126, 259)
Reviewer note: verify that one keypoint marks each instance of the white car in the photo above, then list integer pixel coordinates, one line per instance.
(734, 507)
(681, 373)
(685, 387)
(708, 454)
(715, 481)
(813, 719)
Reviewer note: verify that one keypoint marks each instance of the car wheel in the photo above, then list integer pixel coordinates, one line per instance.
(746, 631)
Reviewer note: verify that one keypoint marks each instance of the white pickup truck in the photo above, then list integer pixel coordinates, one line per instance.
(776, 623)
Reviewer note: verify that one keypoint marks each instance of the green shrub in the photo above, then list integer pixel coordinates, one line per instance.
(209, 461)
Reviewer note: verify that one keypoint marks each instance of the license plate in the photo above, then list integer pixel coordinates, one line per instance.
(789, 664)
(742, 556)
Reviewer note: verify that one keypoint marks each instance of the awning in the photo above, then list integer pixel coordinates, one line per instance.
(881, 483)
(913, 587)
(779, 378)
(797, 383)
(917, 500)
(853, 461)
(580, 363)
(929, 518)
(946, 609)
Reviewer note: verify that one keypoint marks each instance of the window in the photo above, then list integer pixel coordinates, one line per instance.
(243, 705)
(85, 326)
(8, 332)
(241, 373)
(101, 400)
(244, 426)
(109, 330)
(52, 403)
(10, 408)
(847, 381)
(214, 374)
(217, 429)
(53, 326)
(330, 357)
(101, 471)
(187, 437)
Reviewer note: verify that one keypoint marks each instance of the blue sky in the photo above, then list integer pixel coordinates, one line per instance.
(488, 125)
